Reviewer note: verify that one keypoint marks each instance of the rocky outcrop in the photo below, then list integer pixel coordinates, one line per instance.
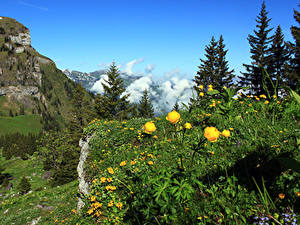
(23, 39)
(84, 187)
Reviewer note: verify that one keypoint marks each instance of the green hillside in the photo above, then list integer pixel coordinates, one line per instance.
(23, 124)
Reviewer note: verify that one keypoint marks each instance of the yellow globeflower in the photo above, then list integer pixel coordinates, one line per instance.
(226, 133)
(201, 94)
(188, 126)
(110, 170)
(210, 89)
(149, 127)
(102, 179)
(210, 86)
(150, 162)
(263, 96)
(123, 163)
(281, 195)
(93, 198)
(173, 117)
(211, 133)
(110, 204)
(266, 102)
(201, 87)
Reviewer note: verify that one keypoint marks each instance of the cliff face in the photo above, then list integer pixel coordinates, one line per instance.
(28, 78)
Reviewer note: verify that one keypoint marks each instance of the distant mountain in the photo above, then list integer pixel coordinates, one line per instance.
(29, 81)
(163, 94)
(89, 79)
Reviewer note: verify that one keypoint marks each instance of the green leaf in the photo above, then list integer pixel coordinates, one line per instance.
(213, 92)
(290, 164)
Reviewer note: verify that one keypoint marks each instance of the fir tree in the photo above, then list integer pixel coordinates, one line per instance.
(214, 70)
(113, 104)
(224, 76)
(259, 54)
(278, 61)
(207, 68)
(24, 186)
(145, 108)
(294, 75)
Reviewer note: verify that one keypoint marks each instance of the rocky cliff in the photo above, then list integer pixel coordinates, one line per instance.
(28, 78)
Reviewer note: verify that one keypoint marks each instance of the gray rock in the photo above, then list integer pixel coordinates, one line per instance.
(46, 175)
(35, 221)
(21, 39)
(84, 187)
(19, 49)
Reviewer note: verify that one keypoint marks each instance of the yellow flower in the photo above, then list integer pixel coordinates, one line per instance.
(95, 180)
(149, 127)
(188, 126)
(200, 87)
(210, 86)
(109, 179)
(90, 211)
(211, 133)
(110, 170)
(281, 196)
(201, 94)
(150, 162)
(274, 96)
(263, 96)
(173, 117)
(132, 162)
(97, 205)
(278, 102)
(210, 89)
(123, 163)
(119, 205)
(250, 105)
(298, 194)
(102, 179)
(110, 204)
(225, 87)
(155, 136)
(230, 128)
(93, 198)
(131, 128)
(266, 102)
(226, 133)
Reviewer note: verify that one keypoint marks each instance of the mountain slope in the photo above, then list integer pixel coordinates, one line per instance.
(28, 79)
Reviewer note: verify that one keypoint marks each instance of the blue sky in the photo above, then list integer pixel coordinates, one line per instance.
(168, 37)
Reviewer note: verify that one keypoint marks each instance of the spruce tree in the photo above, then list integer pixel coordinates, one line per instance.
(294, 76)
(214, 69)
(145, 108)
(259, 43)
(224, 75)
(24, 186)
(207, 68)
(112, 104)
(278, 61)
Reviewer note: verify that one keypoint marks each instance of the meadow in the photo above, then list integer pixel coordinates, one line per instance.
(222, 160)
(23, 124)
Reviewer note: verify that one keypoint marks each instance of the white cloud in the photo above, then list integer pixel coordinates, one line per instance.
(136, 88)
(33, 6)
(97, 87)
(149, 68)
(128, 66)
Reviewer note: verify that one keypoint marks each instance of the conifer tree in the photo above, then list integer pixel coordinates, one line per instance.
(24, 186)
(259, 43)
(112, 103)
(294, 75)
(207, 68)
(145, 108)
(224, 75)
(214, 70)
(278, 61)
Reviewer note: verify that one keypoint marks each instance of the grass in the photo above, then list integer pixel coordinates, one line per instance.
(23, 124)
(15, 209)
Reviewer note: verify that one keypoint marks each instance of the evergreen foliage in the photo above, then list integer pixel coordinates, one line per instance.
(18, 145)
(278, 62)
(214, 69)
(260, 50)
(113, 104)
(145, 108)
(24, 186)
(294, 75)
(60, 155)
